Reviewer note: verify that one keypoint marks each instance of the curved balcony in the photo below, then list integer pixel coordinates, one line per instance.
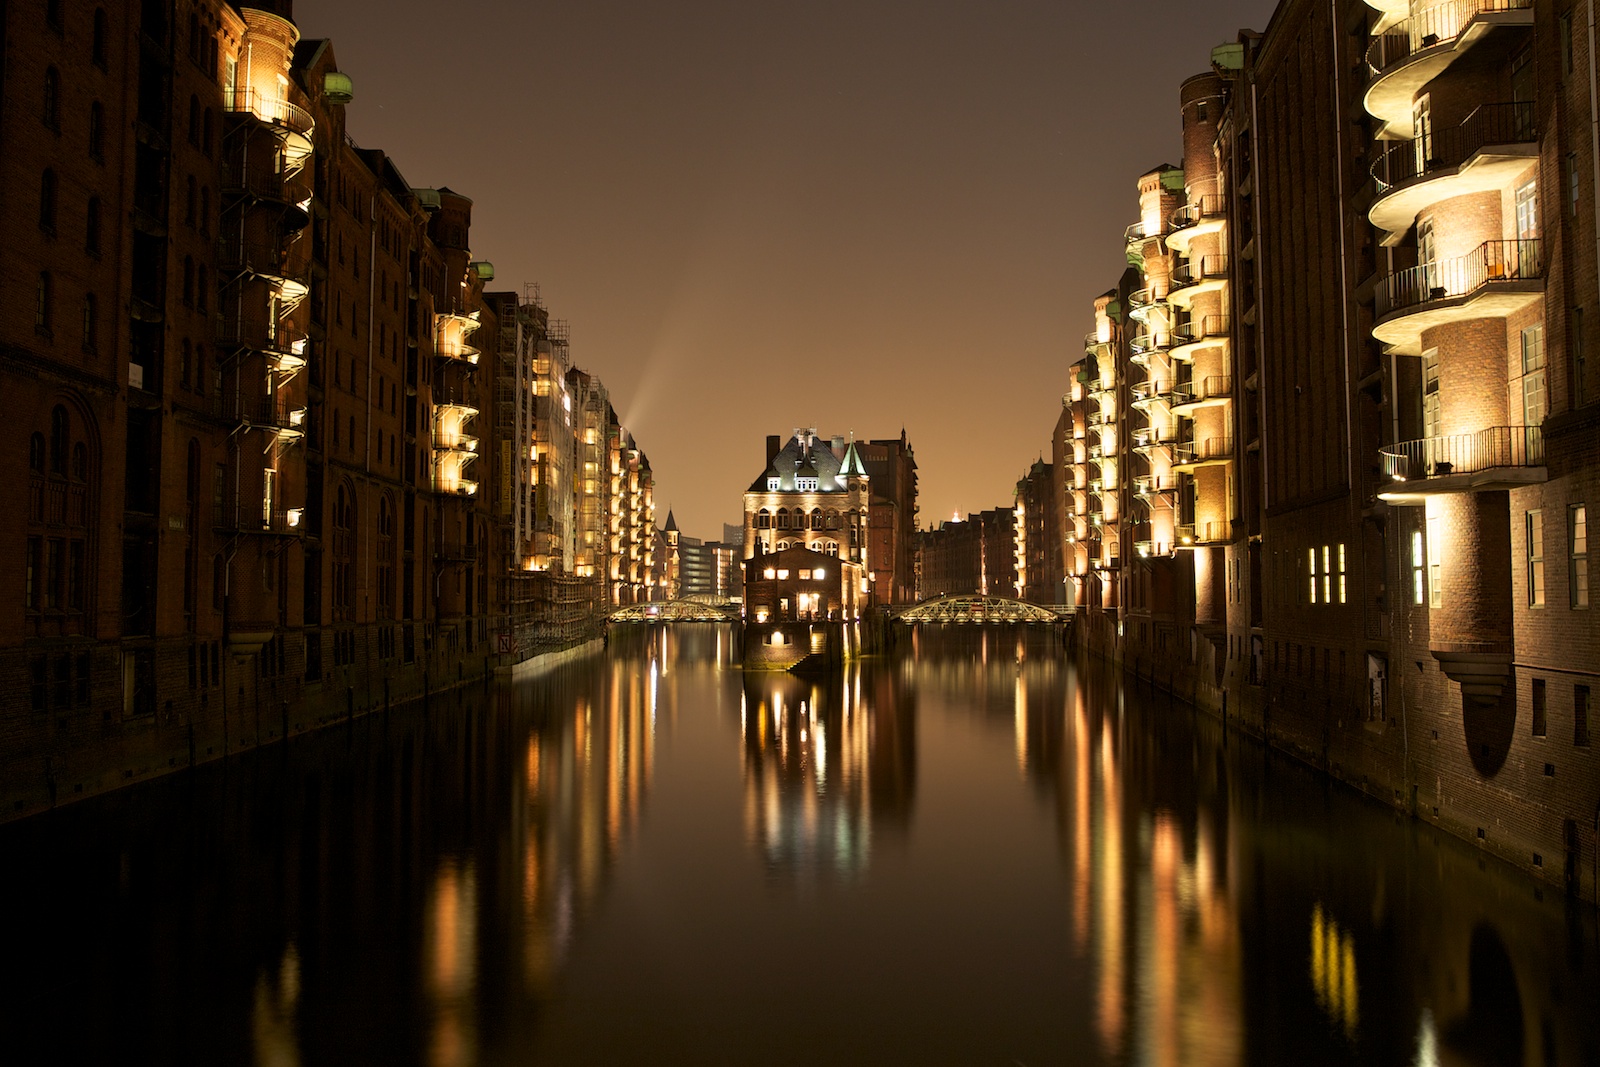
(1093, 345)
(275, 415)
(448, 441)
(1496, 279)
(248, 519)
(1209, 392)
(1153, 485)
(267, 259)
(1190, 534)
(1144, 302)
(282, 341)
(1204, 217)
(1416, 50)
(450, 333)
(1491, 147)
(1142, 233)
(1147, 343)
(1148, 439)
(1498, 457)
(292, 194)
(1208, 331)
(1192, 455)
(1150, 392)
(1100, 419)
(293, 124)
(1208, 274)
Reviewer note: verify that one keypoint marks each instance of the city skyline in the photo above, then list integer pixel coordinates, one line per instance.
(897, 194)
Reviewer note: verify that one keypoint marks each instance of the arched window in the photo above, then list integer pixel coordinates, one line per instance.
(36, 453)
(50, 111)
(189, 191)
(91, 323)
(816, 518)
(832, 548)
(185, 364)
(188, 281)
(97, 47)
(782, 545)
(97, 131)
(783, 518)
(833, 520)
(91, 227)
(47, 201)
(80, 461)
(205, 132)
(763, 519)
(205, 210)
(201, 288)
(59, 431)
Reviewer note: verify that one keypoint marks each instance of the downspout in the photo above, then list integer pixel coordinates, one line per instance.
(1594, 131)
(372, 297)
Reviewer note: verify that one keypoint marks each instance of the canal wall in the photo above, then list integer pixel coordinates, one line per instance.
(247, 702)
(1410, 742)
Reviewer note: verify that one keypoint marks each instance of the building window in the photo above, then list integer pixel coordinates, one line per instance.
(772, 485)
(188, 281)
(1565, 26)
(1534, 525)
(47, 201)
(1435, 568)
(1418, 564)
(194, 121)
(91, 227)
(1343, 589)
(1572, 184)
(90, 323)
(1578, 560)
(41, 303)
(1578, 356)
(52, 14)
(97, 48)
(50, 111)
(1327, 575)
(1533, 384)
(1580, 715)
(1311, 557)
(97, 131)
(1430, 393)
(1540, 724)
(1527, 199)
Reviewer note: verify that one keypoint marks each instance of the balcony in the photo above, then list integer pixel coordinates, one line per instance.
(1496, 279)
(454, 551)
(1208, 274)
(267, 259)
(1204, 217)
(450, 333)
(1153, 391)
(282, 341)
(247, 518)
(1211, 391)
(1416, 50)
(1141, 233)
(1148, 439)
(1093, 345)
(241, 180)
(1499, 457)
(1208, 331)
(1144, 302)
(1210, 452)
(1147, 343)
(1190, 534)
(1389, 12)
(1151, 485)
(1486, 153)
(1101, 419)
(454, 441)
(291, 123)
(274, 414)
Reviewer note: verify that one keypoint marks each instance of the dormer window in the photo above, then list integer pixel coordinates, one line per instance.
(806, 485)
(772, 484)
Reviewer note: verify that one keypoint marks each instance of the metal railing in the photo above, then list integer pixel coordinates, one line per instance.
(261, 334)
(291, 117)
(1150, 484)
(455, 442)
(1212, 448)
(253, 518)
(1091, 340)
(262, 184)
(1144, 342)
(271, 412)
(1207, 207)
(261, 256)
(1211, 387)
(459, 551)
(1437, 25)
(1489, 124)
(1201, 329)
(1492, 261)
(1196, 271)
(1465, 453)
(1142, 231)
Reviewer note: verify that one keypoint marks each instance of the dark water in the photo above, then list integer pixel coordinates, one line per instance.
(973, 853)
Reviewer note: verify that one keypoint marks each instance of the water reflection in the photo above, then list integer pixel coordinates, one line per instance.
(828, 763)
(582, 867)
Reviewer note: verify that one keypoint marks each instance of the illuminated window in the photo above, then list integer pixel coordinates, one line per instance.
(1533, 382)
(772, 485)
(805, 575)
(1535, 531)
(1418, 563)
(1435, 568)
(1342, 586)
(783, 575)
(1430, 393)
(1311, 556)
(1327, 576)
(1578, 561)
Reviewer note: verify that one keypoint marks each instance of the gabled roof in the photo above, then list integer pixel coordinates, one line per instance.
(852, 463)
(672, 523)
(808, 455)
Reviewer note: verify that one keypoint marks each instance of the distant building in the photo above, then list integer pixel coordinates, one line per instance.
(814, 493)
(892, 519)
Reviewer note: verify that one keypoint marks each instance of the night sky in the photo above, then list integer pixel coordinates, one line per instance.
(859, 215)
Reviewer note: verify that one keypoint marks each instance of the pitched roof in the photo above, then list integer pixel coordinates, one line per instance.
(808, 454)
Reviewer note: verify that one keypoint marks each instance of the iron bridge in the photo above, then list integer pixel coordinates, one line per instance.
(689, 609)
(979, 609)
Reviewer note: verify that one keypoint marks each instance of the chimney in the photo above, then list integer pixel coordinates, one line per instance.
(774, 446)
(838, 445)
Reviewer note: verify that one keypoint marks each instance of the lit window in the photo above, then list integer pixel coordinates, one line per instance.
(1342, 587)
(1327, 576)
(1533, 381)
(805, 575)
(1578, 563)
(1418, 562)
(1312, 563)
(1535, 532)
(1435, 568)
(769, 574)
(772, 485)
(783, 575)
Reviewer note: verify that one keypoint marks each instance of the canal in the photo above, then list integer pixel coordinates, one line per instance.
(971, 852)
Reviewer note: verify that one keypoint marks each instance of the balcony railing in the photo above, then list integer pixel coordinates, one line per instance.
(1201, 329)
(457, 551)
(1091, 341)
(455, 442)
(1211, 387)
(281, 113)
(262, 184)
(243, 331)
(1206, 451)
(267, 412)
(1101, 418)
(1198, 270)
(1145, 342)
(262, 256)
(1437, 25)
(1143, 231)
(1490, 124)
(1207, 207)
(1492, 261)
(254, 518)
(1466, 453)
(1150, 484)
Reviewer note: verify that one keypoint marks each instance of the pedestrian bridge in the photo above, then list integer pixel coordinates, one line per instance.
(979, 609)
(689, 609)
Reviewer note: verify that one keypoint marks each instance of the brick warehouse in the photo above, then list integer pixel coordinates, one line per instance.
(270, 444)
(1333, 440)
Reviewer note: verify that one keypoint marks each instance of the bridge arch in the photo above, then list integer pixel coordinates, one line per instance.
(689, 609)
(978, 608)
